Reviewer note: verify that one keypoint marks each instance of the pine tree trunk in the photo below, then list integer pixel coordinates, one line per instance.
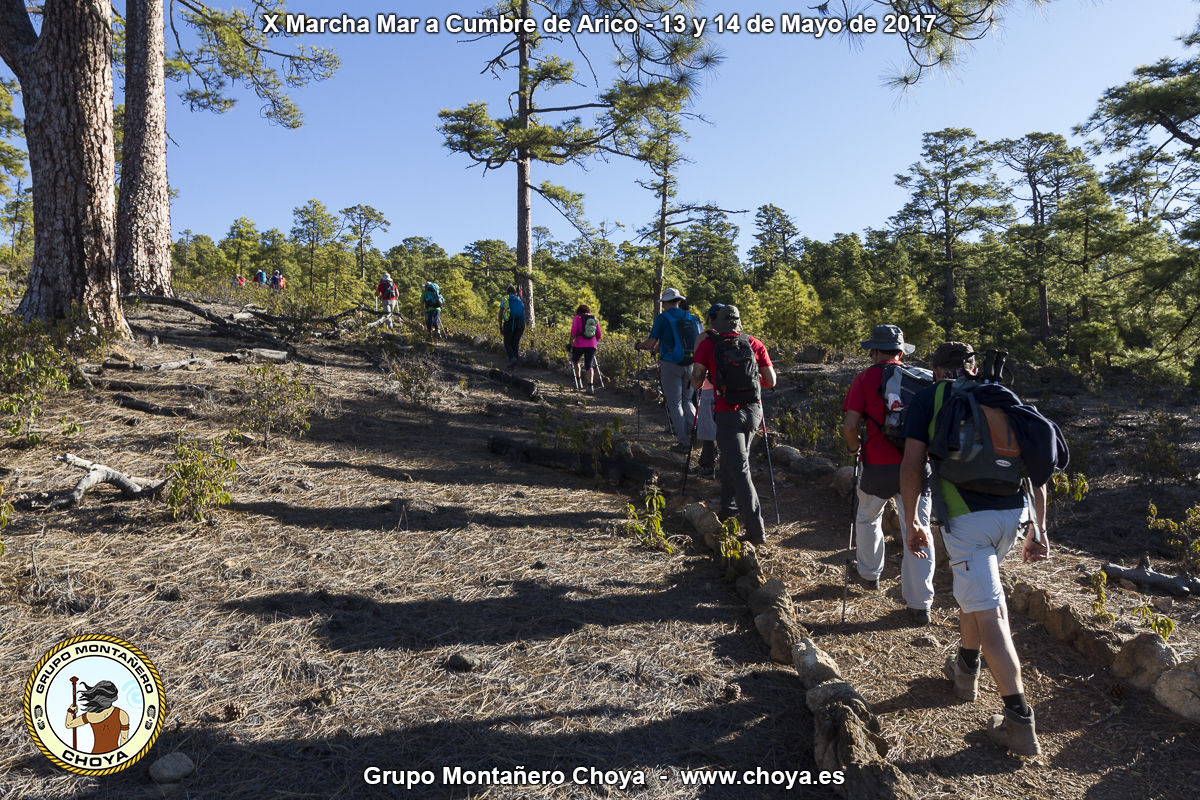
(144, 206)
(66, 82)
(524, 193)
(660, 273)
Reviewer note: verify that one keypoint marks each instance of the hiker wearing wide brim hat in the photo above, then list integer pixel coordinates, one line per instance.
(673, 335)
(879, 481)
(978, 530)
(740, 368)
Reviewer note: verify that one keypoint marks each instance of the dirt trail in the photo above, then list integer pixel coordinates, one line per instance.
(305, 635)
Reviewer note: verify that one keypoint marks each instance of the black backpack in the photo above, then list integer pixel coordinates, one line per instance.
(897, 385)
(736, 378)
(389, 291)
(983, 455)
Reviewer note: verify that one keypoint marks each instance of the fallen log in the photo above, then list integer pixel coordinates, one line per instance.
(1147, 580)
(132, 487)
(222, 323)
(614, 468)
(126, 401)
(528, 387)
(135, 386)
(190, 364)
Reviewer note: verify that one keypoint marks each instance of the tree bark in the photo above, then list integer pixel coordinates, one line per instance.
(66, 82)
(144, 207)
(524, 274)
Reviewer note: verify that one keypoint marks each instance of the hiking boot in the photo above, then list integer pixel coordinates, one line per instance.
(679, 447)
(918, 617)
(966, 682)
(709, 472)
(1017, 733)
(591, 390)
(759, 540)
(870, 584)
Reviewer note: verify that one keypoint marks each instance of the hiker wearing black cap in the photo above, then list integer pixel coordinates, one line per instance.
(880, 475)
(978, 530)
(740, 368)
(512, 323)
(674, 334)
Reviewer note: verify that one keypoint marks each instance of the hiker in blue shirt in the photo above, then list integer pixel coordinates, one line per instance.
(674, 335)
(512, 323)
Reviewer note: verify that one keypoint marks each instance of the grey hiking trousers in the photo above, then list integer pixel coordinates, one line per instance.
(677, 392)
(735, 432)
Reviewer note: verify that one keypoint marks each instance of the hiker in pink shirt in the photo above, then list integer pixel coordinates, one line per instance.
(585, 337)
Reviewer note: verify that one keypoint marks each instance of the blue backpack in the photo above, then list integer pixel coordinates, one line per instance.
(515, 308)
(685, 329)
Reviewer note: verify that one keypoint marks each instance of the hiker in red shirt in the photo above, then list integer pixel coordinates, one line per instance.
(740, 368)
(865, 404)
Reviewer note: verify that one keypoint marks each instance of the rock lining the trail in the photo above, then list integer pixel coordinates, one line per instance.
(847, 734)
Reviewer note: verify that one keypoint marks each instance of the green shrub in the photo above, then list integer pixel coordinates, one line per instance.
(200, 479)
(42, 364)
(1182, 537)
(647, 526)
(273, 401)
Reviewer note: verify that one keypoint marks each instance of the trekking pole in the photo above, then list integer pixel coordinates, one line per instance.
(687, 462)
(596, 367)
(853, 524)
(770, 470)
(74, 702)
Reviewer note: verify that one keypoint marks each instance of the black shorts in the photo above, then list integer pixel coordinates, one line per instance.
(588, 354)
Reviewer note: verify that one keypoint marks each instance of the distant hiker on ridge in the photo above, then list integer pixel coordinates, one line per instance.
(432, 302)
(584, 340)
(512, 323)
(389, 294)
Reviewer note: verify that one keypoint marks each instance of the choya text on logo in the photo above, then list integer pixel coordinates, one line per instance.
(94, 704)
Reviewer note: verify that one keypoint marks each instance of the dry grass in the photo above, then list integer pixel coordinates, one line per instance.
(304, 635)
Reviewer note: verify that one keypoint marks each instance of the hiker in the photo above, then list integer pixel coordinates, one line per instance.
(674, 334)
(706, 425)
(881, 475)
(978, 530)
(278, 281)
(389, 294)
(584, 340)
(512, 323)
(237, 281)
(110, 724)
(432, 302)
(260, 277)
(740, 368)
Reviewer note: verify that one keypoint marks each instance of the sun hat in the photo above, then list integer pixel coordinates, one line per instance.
(888, 337)
(729, 320)
(670, 295)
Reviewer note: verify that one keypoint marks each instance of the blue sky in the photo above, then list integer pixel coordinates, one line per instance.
(805, 124)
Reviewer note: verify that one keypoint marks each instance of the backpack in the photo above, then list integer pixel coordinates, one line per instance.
(685, 330)
(897, 385)
(260, 277)
(513, 308)
(432, 296)
(590, 326)
(389, 290)
(983, 455)
(736, 375)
